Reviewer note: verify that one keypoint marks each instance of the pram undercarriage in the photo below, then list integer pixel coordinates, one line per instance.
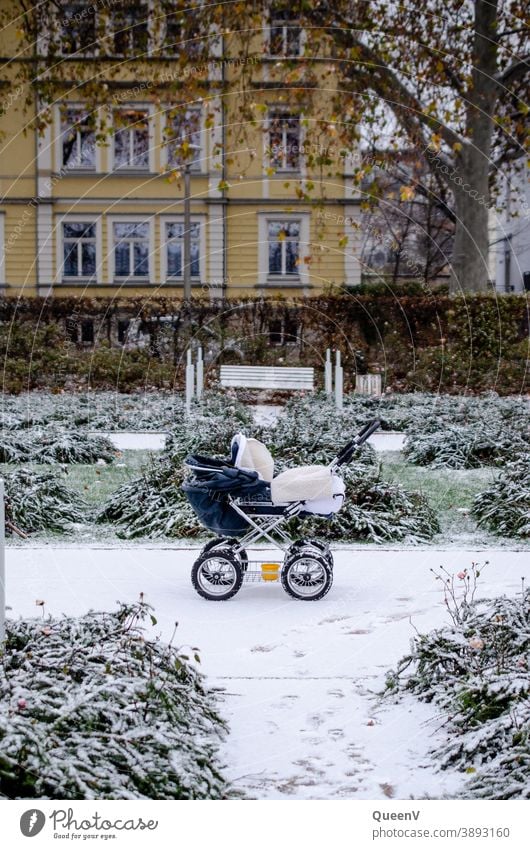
(233, 499)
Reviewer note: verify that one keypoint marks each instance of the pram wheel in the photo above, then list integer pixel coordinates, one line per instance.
(322, 548)
(307, 576)
(217, 574)
(226, 542)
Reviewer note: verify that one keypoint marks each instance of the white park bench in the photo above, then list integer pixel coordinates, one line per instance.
(268, 377)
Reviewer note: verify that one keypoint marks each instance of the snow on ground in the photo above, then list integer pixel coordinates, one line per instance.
(299, 678)
(135, 440)
(156, 441)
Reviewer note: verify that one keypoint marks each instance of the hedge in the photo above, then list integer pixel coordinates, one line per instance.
(425, 342)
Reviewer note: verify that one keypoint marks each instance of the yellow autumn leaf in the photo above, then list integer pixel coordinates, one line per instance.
(343, 241)
(406, 192)
(436, 141)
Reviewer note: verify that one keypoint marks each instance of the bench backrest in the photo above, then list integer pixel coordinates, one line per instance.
(268, 377)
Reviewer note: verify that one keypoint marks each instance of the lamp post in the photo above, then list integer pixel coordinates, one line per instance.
(186, 257)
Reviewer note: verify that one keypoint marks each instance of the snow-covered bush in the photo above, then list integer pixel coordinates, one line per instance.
(423, 412)
(53, 445)
(376, 511)
(464, 447)
(504, 507)
(37, 501)
(152, 505)
(95, 411)
(312, 430)
(14, 447)
(92, 708)
(476, 670)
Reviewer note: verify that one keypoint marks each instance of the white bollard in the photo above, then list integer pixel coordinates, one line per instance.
(328, 374)
(190, 381)
(2, 564)
(339, 379)
(200, 374)
(368, 384)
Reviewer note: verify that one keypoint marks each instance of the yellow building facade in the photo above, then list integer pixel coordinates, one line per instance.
(84, 212)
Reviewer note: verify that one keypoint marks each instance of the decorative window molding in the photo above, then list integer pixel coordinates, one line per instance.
(130, 249)
(78, 249)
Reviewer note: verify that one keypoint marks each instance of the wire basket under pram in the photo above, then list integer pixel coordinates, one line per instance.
(243, 503)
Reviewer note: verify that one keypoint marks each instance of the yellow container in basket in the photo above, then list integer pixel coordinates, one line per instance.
(269, 571)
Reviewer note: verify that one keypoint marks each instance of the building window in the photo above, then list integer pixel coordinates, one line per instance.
(131, 29)
(285, 32)
(184, 35)
(131, 139)
(77, 29)
(283, 331)
(175, 250)
(79, 249)
(284, 141)
(131, 249)
(123, 330)
(183, 139)
(78, 139)
(87, 331)
(284, 248)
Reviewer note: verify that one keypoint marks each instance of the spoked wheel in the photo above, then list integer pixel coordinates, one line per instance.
(225, 542)
(217, 574)
(323, 549)
(307, 577)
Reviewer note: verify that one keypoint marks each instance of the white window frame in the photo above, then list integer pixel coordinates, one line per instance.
(87, 218)
(130, 219)
(79, 169)
(179, 219)
(267, 280)
(268, 38)
(195, 168)
(133, 169)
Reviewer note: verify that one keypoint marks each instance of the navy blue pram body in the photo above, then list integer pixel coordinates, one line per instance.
(212, 483)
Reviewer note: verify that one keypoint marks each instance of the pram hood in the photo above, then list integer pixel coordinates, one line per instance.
(251, 454)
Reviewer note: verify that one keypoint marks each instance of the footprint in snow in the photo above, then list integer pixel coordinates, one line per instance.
(337, 693)
(262, 648)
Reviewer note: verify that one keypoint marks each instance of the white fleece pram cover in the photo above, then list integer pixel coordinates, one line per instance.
(318, 487)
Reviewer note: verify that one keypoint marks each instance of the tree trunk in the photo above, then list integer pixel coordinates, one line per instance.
(469, 266)
(469, 272)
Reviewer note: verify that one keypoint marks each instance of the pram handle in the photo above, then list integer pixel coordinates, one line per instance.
(345, 454)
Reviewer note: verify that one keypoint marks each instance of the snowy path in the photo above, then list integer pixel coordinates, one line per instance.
(299, 677)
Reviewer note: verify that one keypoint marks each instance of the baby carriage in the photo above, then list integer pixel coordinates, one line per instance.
(242, 502)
